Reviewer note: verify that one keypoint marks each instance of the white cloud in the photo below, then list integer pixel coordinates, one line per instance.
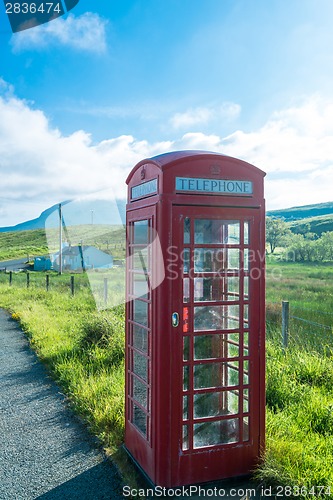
(204, 115)
(39, 166)
(297, 139)
(85, 33)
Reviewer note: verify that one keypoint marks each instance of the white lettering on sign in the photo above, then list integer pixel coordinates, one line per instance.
(219, 186)
(145, 189)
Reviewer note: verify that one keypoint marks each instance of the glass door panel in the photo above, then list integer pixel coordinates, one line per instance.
(139, 325)
(216, 370)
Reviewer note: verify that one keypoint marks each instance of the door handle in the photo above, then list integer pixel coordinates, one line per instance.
(175, 319)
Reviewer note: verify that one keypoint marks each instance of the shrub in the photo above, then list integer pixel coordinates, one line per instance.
(104, 331)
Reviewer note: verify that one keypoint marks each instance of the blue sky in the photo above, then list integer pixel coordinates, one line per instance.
(84, 97)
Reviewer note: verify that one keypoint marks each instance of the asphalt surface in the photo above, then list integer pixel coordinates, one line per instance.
(14, 265)
(45, 451)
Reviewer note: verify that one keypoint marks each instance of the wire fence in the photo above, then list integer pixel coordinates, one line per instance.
(48, 281)
(296, 325)
(300, 326)
(105, 286)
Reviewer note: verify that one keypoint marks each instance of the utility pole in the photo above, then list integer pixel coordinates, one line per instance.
(60, 239)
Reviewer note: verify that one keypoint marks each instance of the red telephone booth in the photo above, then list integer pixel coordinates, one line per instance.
(195, 325)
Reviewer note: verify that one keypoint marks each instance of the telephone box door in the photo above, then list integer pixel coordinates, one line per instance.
(218, 360)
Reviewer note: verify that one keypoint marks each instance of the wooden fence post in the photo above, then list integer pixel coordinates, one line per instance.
(285, 323)
(28, 279)
(10, 277)
(47, 282)
(72, 286)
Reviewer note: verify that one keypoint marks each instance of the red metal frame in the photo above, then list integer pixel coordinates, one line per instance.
(160, 453)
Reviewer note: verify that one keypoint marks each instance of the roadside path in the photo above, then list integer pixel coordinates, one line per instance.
(14, 264)
(45, 452)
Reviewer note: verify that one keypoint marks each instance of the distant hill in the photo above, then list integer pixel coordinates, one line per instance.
(81, 212)
(77, 212)
(303, 212)
(38, 223)
(308, 218)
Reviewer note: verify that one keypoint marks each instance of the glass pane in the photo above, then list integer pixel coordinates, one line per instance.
(140, 392)
(140, 338)
(140, 260)
(216, 317)
(216, 231)
(232, 350)
(185, 378)
(246, 373)
(246, 344)
(208, 231)
(140, 419)
(216, 375)
(186, 289)
(212, 404)
(186, 348)
(140, 312)
(246, 287)
(233, 258)
(140, 232)
(187, 225)
(140, 366)
(232, 374)
(213, 433)
(246, 429)
(246, 233)
(216, 346)
(185, 407)
(231, 291)
(209, 260)
(246, 401)
(246, 259)
(140, 286)
(185, 438)
(186, 260)
(246, 316)
(207, 289)
(232, 233)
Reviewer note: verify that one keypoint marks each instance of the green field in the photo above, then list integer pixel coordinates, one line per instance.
(32, 243)
(83, 349)
(300, 379)
(14, 245)
(318, 225)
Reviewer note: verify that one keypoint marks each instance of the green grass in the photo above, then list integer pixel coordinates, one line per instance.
(16, 244)
(84, 351)
(59, 327)
(308, 284)
(299, 392)
(317, 225)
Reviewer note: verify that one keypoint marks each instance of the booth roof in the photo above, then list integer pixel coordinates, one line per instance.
(166, 160)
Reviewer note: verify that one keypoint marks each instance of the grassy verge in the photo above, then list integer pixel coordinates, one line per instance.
(299, 395)
(82, 348)
(84, 351)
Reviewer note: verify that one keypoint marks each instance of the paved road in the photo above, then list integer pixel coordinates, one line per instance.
(14, 265)
(45, 452)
